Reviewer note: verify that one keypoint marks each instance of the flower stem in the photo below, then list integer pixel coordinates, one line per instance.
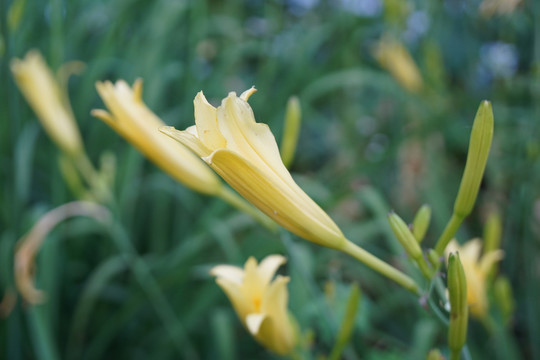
(449, 231)
(238, 202)
(380, 266)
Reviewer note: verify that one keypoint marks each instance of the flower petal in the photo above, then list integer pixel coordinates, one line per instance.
(236, 297)
(487, 261)
(254, 322)
(139, 125)
(231, 273)
(287, 204)
(269, 266)
(186, 138)
(206, 122)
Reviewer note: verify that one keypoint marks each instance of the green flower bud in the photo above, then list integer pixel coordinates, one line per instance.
(479, 145)
(421, 222)
(408, 241)
(404, 235)
(504, 298)
(492, 233)
(459, 311)
(293, 116)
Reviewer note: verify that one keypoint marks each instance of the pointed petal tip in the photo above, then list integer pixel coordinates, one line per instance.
(254, 322)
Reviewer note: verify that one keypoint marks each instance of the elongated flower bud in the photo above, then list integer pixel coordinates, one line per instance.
(504, 297)
(459, 311)
(492, 233)
(293, 117)
(409, 243)
(421, 222)
(404, 235)
(41, 90)
(479, 145)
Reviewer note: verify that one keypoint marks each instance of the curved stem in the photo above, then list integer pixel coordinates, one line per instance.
(92, 177)
(449, 232)
(380, 266)
(233, 199)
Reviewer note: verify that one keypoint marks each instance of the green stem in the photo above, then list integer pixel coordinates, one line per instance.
(380, 266)
(98, 187)
(236, 201)
(424, 268)
(449, 232)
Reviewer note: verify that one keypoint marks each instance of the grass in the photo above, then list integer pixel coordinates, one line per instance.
(141, 288)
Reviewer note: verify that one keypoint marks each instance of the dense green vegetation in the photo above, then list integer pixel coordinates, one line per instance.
(141, 289)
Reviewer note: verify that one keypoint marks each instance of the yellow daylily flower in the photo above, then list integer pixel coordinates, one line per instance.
(476, 269)
(245, 154)
(261, 304)
(395, 58)
(40, 88)
(488, 8)
(131, 119)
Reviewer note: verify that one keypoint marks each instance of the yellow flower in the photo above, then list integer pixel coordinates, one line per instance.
(489, 8)
(245, 154)
(261, 304)
(395, 58)
(41, 90)
(130, 118)
(476, 271)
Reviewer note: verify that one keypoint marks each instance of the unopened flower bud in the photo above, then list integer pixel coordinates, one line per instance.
(421, 222)
(293, 117)
(459, 311)
(479, 145)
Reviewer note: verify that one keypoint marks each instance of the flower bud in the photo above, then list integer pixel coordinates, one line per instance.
(459, 311)
(504, 297)
(421, 222)
(479, 145)
(409, 243)
(492, 233)
(293, 117)
(404, 235)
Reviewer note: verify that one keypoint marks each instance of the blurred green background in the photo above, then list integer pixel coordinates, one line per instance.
(367, 145)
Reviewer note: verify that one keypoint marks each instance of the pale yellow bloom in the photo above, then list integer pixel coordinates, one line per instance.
(489, 8)
(476, 271)
(245, 154)
(41, 90)
(130, 118)
(395, 58)
(261, 304)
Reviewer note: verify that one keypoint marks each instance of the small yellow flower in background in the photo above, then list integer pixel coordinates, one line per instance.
(131, 119)
(489, 8)
(245, 154)
(41, 90)
(476, 269)
(261, 304)
(395, 58)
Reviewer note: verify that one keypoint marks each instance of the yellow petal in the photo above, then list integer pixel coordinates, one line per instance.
(254, 322)
(140, 126)
(188, 139)
(471, 250)
(487, 261)
(287, 204)
(236, 297)
(269, 266)
(228, 272)
(206, 122)
(41, 90)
